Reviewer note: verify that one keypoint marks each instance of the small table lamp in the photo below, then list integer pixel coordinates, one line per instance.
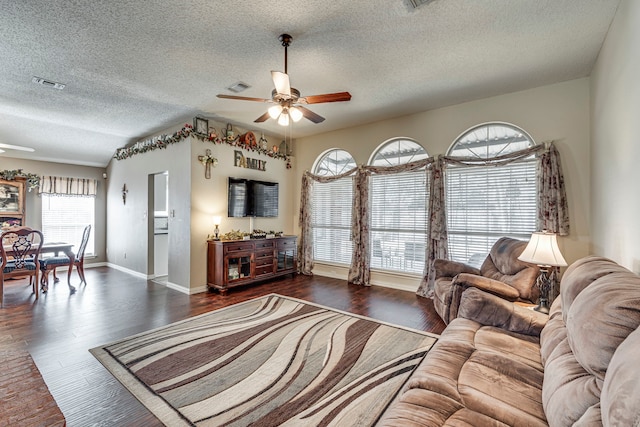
(543, 251)
(216, 222)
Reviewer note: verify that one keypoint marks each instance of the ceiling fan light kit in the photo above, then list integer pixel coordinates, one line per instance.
(287, 99)
(274, 111)
(283, 120)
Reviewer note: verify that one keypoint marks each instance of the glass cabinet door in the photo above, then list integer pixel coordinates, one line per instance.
(285, 259)
(239, 268)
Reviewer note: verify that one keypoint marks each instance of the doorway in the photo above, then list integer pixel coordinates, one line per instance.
(159, 206)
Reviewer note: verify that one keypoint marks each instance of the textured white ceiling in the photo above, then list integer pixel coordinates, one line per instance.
(133, 68)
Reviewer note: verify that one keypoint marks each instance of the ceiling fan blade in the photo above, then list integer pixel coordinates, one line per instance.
(281, 82)
(327, 97)
(16, 147)
(262, 118)
(243, 98)
(315, 118)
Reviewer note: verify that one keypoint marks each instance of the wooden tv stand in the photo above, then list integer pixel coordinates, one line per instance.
(232, 263)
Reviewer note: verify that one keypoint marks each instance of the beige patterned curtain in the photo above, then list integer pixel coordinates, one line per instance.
(438, 240)
(68, 186)
(305, 246)
(360, 269)
(553, 210)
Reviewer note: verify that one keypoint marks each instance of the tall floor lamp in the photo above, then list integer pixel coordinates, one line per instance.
(543, 251)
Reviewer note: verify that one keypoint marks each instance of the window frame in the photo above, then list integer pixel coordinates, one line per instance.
(400, 248)
(78, 229)
(334, 223)
(471, 246)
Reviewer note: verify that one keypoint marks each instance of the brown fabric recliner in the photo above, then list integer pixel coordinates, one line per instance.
(501, 274)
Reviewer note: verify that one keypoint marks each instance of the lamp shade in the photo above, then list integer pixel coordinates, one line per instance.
(217, 220)
(543, 250)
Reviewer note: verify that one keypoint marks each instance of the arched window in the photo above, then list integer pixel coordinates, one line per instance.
(398, 208)
(487, 202)
(331, 208)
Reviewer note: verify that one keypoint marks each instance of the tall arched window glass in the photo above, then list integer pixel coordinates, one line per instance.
(398, 208)
(487, 202)
(331, 208)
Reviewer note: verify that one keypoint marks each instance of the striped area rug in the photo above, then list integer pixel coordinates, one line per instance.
(270, 361)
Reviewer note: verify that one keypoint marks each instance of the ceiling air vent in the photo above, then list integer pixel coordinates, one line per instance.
(417, 3)
(48, 83)
(238, 87)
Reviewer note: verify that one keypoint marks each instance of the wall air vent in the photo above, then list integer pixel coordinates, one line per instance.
(417, 3)
(47, 83)
(238, 87)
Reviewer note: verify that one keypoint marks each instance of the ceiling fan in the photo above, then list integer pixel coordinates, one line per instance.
(15, 147)
(287, 99)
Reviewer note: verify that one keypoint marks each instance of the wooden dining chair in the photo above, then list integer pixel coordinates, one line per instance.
(20, 252)
(50, 264)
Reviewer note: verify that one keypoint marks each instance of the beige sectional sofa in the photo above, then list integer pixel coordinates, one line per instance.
(499, 364)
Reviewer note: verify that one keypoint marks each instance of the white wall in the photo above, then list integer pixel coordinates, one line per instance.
(615, 112)
(193, 201)
(128, 236)
(558, 112)
(33, 204)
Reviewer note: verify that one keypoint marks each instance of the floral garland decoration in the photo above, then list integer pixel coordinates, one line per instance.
(162, 141)
(33, 180)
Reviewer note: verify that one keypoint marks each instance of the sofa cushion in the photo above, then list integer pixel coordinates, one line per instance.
(620, 400)
(601, 317)
(474, 376)
(599, 309)
(581, 274)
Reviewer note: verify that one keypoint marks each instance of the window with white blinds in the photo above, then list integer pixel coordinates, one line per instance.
(331, 221)
(331, 205)
(65, 217)
(485, 203)
(398, 209)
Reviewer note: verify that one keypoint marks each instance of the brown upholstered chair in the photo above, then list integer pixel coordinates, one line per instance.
(501, 274)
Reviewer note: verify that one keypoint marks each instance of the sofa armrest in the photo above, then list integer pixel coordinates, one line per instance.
(486, 284)
(464, 281)
(491, 310)
(447, 268)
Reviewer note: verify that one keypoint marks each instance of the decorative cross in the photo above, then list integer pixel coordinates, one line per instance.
(207, 160)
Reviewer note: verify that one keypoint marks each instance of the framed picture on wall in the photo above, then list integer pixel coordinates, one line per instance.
(201, 125)
(11, 197)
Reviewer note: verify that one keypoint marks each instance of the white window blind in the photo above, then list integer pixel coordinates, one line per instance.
(331, 221)
(485, 203)
(398, 207)
(399, 221)
(331, 205)
(65, 217)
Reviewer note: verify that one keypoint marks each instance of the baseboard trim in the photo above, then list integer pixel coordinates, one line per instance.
(400, 281)
(129, 271)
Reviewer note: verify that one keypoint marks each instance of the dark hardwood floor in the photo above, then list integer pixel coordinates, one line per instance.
(60, 328)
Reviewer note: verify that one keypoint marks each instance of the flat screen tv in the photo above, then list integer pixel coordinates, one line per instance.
(252, 198)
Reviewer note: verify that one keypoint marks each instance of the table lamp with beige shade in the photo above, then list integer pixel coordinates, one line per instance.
(543, 251)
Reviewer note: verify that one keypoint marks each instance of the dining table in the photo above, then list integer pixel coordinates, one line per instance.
(54, 248)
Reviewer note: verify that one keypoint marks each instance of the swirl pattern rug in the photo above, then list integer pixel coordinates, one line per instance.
(270, 361)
